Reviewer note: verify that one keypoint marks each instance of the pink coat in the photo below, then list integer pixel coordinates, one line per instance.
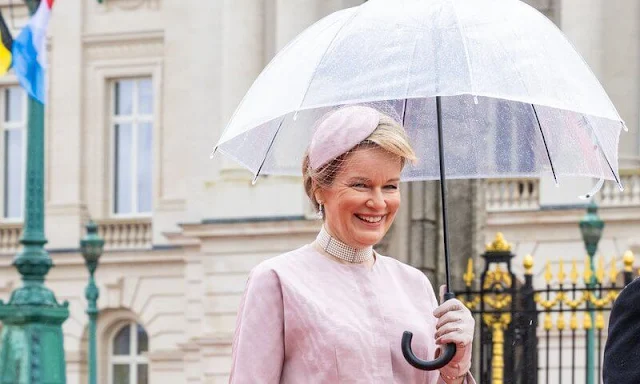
(305, 318)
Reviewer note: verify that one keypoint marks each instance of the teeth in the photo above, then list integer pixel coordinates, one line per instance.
(371, 219)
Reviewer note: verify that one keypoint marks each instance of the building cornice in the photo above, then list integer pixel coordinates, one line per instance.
(234, 228)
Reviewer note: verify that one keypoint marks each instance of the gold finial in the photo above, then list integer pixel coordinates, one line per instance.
(600, 270)
(588, 273)
(469, 275)
(561, 274)
(499, 244)
(573, 275)
(573, 321)
(547, 324)
(587, 324)
(628, 259)
(613, 272)
(599, 321)
(560, 323)
(547, 273)
(528, 264)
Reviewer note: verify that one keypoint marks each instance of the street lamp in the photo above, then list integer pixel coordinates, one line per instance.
(591, 227)
(91, 247)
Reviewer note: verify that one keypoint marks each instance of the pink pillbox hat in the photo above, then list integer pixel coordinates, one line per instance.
(339, 131)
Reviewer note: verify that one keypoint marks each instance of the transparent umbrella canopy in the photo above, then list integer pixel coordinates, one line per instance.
(491, 87)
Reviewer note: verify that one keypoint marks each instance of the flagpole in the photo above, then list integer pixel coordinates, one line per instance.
(32, 349)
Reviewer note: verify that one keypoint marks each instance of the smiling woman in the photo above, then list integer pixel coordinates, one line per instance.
(362, 202)
(335, 310)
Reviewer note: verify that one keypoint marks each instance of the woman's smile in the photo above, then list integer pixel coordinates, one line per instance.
(370, 219)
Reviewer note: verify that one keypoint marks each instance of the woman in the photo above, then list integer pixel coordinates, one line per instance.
(334, 311)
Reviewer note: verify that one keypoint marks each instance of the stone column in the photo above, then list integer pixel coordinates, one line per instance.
(65, 133)
(416, 236)
(621, 70)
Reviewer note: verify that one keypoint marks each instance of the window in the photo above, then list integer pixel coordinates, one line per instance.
(132, 118)
(128, 356)
(14, 122)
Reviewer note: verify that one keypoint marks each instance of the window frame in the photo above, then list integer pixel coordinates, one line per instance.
(133, 359)
(133, 119)
(7, 126)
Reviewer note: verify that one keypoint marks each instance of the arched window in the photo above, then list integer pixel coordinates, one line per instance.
(128, 363)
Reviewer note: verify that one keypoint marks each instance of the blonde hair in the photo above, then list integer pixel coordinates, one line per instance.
(388, 135)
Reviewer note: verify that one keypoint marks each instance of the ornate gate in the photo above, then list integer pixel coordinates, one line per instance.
(552, 334)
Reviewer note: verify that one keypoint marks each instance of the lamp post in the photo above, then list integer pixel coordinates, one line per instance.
(591, 227)
(91, 247)
(32, 342)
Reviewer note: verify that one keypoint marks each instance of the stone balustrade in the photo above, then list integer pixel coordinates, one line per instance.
(611, 196)
(125, 233)
(521, 194)
(10, 237)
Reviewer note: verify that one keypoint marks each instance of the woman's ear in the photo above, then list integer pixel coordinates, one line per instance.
(317, 193)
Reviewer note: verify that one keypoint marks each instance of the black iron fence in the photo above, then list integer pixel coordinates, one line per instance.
(554, 334)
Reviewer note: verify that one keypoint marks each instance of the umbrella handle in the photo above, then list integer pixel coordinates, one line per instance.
(442, 360)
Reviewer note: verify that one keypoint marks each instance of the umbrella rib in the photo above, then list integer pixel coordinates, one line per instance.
(463, 37)
(606, 158)
(273, 139)
(544, 140)
(404, 113)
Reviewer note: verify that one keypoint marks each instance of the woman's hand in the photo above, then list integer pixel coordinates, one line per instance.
(455, 325)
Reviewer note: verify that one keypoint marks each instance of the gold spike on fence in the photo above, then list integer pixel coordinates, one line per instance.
(560, 324)
(573, 321)
(599, 321)
(561, 274)
(573, 275)
(469, 276)
(613, 271)
(600, 270)
(547, 324)
(588, 272)
(587, 323)
(547, 272)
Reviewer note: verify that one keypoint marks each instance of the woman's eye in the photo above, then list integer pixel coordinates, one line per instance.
(359, 185)
(392, 187)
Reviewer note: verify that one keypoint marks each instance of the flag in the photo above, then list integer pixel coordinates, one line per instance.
(6, 42)
(29, 52)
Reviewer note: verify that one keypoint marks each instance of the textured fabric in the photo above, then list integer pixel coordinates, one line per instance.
(305, 318)
(622, 351)
(339, 132)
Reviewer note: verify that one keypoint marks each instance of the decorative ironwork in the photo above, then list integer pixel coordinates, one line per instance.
(523, 328)
(499, 244)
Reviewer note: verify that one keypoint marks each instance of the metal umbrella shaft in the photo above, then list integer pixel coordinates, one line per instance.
(450, 349)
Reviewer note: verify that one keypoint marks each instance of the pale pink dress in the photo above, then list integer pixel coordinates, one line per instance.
(305, 318)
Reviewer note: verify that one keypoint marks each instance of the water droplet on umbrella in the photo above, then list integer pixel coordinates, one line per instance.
(295, 116)
(475, 99)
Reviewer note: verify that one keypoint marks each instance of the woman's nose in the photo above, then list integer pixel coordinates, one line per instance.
(376, 200)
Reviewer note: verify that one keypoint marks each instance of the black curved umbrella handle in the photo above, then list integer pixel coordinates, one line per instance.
(442, 360)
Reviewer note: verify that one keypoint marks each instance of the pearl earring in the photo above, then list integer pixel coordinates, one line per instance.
(320, 210)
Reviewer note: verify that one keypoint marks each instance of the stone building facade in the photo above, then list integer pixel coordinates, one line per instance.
(139, 91)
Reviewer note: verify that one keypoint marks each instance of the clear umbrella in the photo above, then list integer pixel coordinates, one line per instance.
(491, 86)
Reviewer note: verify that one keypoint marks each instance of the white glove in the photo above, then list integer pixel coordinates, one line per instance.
(455, 325)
